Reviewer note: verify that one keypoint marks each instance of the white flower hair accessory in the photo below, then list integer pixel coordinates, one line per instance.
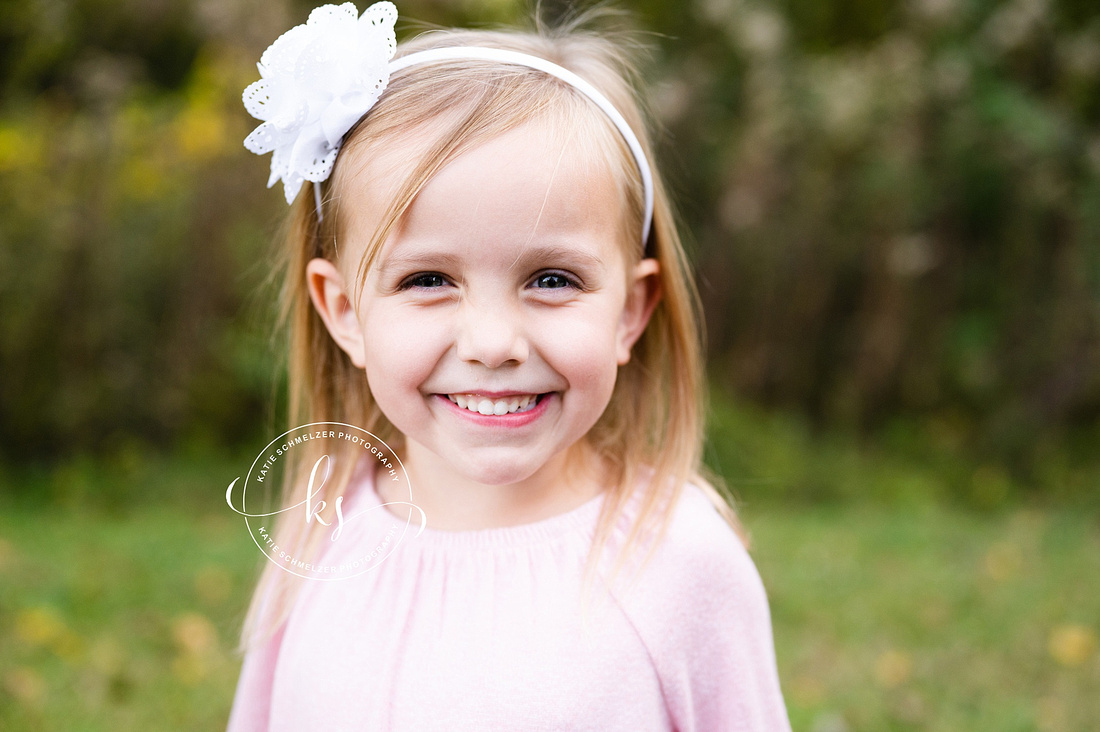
(317, 80)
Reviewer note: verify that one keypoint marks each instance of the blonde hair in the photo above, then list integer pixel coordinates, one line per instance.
(654, 422)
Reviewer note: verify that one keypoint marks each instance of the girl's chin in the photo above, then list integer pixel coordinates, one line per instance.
(495, 477)
(489, 465)
(490, 469)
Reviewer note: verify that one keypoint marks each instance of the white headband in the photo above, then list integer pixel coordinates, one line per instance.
(320, 78)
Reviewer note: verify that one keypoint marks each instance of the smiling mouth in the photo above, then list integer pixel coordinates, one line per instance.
(506, 405)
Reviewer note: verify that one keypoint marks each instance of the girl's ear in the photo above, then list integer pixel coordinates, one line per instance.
(328, 293)
(642, 295)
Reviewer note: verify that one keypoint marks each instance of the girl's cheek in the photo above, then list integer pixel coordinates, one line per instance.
(584, 349)
(407, 339)
(590, 326)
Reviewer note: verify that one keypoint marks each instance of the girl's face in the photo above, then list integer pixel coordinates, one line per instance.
(493, 321)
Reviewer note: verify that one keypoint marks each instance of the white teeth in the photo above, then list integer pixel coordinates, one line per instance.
(498, 407)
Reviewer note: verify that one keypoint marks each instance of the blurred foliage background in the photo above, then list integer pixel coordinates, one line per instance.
(895, 206)
(894, 211)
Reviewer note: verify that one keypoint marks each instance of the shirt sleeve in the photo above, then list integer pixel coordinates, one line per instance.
(252, 703)
(703, 614)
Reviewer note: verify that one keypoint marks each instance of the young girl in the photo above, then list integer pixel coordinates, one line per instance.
(483, 271)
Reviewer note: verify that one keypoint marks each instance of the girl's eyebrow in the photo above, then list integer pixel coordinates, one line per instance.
(554, 251)
(416, 259)
(446, 259)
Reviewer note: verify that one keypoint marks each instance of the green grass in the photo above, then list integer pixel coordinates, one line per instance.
(120, 622)
(937, 619)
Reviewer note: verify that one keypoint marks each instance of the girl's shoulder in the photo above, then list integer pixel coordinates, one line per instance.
(700, 608)
(701, 554)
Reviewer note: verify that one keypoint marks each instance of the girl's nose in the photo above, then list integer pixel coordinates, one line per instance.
(490, 332)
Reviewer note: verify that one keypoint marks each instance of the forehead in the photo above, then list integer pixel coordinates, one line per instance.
(531, 186)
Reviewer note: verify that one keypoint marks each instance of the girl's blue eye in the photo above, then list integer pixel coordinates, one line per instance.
(553, 281)
(429, 280)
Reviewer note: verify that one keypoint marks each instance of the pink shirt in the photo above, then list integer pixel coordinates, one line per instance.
(481, 630)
